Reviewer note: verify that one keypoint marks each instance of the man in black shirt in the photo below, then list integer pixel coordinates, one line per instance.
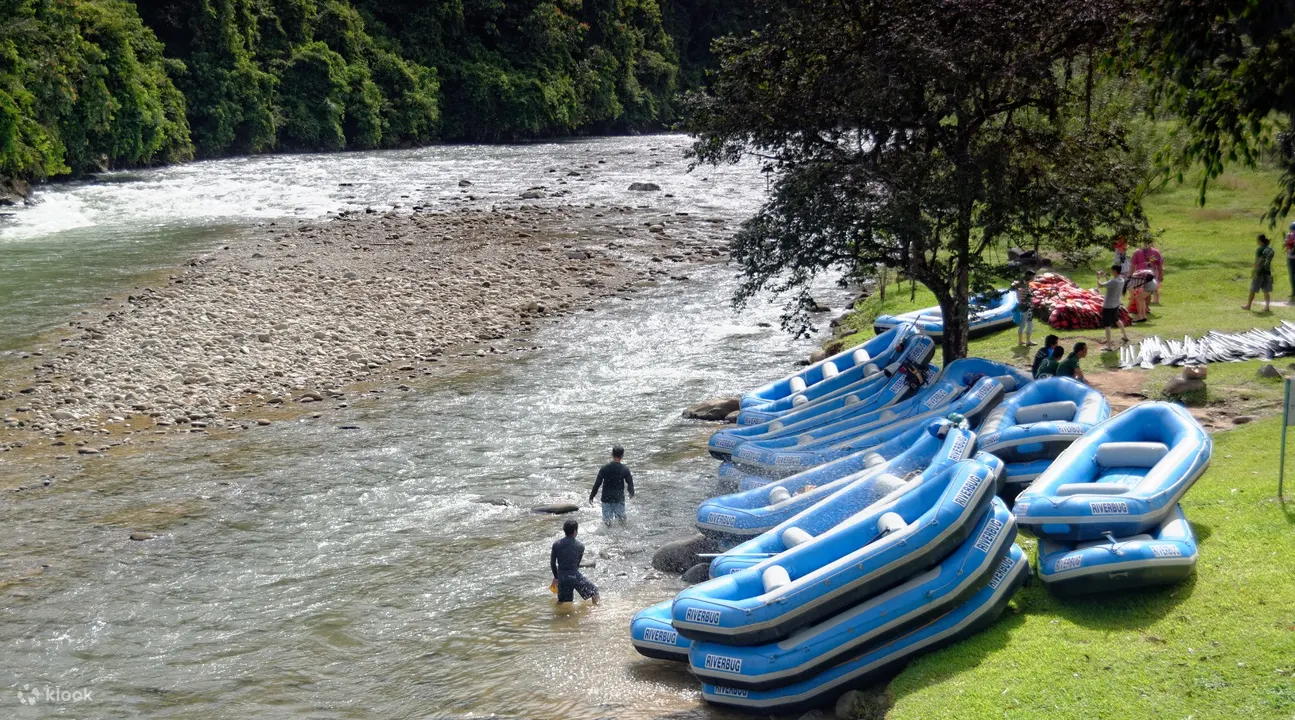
(564, 561)
(1044, 353)
(615, 479)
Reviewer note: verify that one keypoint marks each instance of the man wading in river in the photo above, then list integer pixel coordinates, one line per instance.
(564, 561)
(615, 479)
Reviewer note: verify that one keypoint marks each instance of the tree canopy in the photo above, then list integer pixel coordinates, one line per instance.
(1226, 69)
(918, 134)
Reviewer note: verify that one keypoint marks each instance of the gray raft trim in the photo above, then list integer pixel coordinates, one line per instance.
(989, 486)
(992, 560)
(1008, 583)
(1030, 521)
(1028, 440)
(1140, 564)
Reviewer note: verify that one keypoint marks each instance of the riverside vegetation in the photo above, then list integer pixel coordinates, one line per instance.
(88, 85)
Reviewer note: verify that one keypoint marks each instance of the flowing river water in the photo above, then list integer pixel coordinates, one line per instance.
(306, 570)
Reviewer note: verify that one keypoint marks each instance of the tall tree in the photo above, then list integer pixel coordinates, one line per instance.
(1225, 67)
(918, 134)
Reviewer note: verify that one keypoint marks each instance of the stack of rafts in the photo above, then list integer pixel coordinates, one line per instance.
(1107, 512)
(868, 528)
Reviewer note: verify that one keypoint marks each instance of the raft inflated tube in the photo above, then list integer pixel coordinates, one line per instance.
(793, 536)
(866, 396)
(1164, 556)
(843, 566)
(829, 370)
(799, 400)
(1122, 478)
(788, 453)
(927, 454)
(878, 618)
(989, 312)
(774, 395)
(1040, 421)
(889, 523)
(652, 635)
(916, 350)
(779, 494)
(974, 614)
(775, 577)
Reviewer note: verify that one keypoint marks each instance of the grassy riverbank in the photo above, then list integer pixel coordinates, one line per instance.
(1216, 646)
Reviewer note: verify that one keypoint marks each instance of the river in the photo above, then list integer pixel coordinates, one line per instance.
(308, 570)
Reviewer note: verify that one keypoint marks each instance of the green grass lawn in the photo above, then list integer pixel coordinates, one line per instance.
(1221, 645)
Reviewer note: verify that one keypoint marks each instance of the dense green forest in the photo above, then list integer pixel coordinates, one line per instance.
(93, 84)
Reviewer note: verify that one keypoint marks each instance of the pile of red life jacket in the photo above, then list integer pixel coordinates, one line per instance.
(1066, 305)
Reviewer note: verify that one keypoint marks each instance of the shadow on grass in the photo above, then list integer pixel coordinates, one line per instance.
(1201, 531)
(1130, 610)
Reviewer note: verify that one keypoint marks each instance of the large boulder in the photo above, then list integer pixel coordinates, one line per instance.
(644, 187)
(1177, 387)
(556, 508)
(1268, 371)
(697, 573)
(713, 409)
(681, 555)
(817, 356)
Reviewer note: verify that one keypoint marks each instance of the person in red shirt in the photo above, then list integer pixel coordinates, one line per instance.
(1148, 258)
(1290, 258)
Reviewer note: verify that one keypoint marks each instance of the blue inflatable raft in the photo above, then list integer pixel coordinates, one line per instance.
(860, 383)
(787, 453)
(877, 662)
(903, 379)
(1037, 423)
(653, 636)
(873, 550)
(748, 513)
(883, 616)
(1123, 478)
(1164, 556)
(935, 447)
(848, 364)
(989, 313)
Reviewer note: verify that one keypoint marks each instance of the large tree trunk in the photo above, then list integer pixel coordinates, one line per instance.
(954, 310)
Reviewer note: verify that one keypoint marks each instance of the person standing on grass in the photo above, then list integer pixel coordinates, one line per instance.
(1070, 366)
(1148, 258)
(1044, 353)
(1261, 278)
(1114, 287)
(1122, 255)
(1023, 313)
(1051, 364)
(1140, 285)
(564, 561)
(1290, 258)
(615, 479)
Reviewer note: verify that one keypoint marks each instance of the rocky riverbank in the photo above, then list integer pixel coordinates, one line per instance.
(296, 317)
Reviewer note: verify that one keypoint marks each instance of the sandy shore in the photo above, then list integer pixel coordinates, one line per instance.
(292, 317)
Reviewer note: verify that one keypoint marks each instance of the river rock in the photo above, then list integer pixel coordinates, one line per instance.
(13, 191)
(532, 195)
(644, 187)
(680, 555)
(819, 355)
(141, 536)
(697, 573)
(1268, 371)
(1181, 386)
(1195, 372)
(497, 501)
(731, 418)
(713, 409)
(465, 183)
(556, 508)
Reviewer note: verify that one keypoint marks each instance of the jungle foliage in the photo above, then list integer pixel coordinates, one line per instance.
(93, 84)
